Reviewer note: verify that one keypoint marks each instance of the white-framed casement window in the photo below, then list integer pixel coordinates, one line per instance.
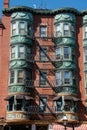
(43, 31)
(17, 76)
(22, 28)
(57, 30)
(86, 82)
(66, 29)
(66, 52)
(14, 28)
(42, 104)
(85, 54)
(12, 76)
(21, 51)
(58, 78)
(58, 53)
(20, 76)
(67, 76)
(13, 49)
(85, 31)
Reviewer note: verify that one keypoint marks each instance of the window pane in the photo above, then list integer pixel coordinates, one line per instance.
(12, 76)
(58, 53)
(58, 78)
(66, 52)
(85, 80)
(42, 104)
(43, 78)
(21, 52)
(58, 105)
(13, 52)
(67, 77)
(43, 31)
(14, 28)
(43, 57)
(22, 28)
(85, 54)
(66, 29)
(20, 76)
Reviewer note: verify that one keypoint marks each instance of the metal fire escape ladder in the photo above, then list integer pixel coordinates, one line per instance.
(45, 53)
(45, 103)
(44, 77)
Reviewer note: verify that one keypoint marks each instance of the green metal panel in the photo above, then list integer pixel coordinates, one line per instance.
(69, 17)
(21, 39)
(65, 41)
(23, 16)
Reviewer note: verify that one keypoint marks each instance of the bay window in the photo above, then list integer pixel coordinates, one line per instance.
(20, 76)
(12, 76)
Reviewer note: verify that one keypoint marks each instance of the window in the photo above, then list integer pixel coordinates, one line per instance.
(12, 52)
(58, 105)
(67, 106)
(57, 28)
(22, 28)
(66, 77)
(21, 52)
(85, 51)
(43, 31)
(19, 104)
(66, 52)
(43, 56)
(12, 75)
(66, 29)
(58, 78)
(85, 31)
(86, 82)
(20, 76)
(14, 28)
(42, 104)
(58, 53)
(43, 77)
(73, 30)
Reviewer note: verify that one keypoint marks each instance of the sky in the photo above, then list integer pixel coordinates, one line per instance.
(48, 4)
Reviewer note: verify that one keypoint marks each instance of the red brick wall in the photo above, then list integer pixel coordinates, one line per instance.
(4, 63)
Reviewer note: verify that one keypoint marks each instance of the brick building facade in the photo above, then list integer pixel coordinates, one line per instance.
(43, 73)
